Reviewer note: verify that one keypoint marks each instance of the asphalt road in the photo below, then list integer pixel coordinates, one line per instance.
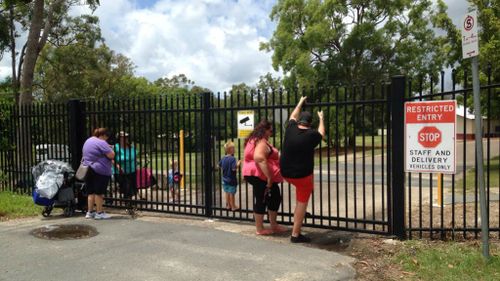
(127, 249)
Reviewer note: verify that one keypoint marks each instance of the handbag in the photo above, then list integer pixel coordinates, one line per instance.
(145, 178)
(82, 172)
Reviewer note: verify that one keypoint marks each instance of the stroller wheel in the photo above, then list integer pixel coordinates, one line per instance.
(68, 212)
(46, 211)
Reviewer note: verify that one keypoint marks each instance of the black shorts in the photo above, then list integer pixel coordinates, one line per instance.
(128, 184)
(96, 183)
(263, 200)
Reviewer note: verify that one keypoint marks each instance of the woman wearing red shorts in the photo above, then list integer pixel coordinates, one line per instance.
(297, 161)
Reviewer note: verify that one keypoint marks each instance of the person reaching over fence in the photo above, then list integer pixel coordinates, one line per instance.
(125, 167)
(297, 162)
(262, 170)
(97, 155)
(229, 166)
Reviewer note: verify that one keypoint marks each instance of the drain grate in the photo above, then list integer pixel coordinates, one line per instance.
(65, 232)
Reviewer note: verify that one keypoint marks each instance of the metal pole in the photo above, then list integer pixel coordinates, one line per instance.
(440, 189)
(207, 150)
(77, 124)
(397, 212)
(479, 158)
(181, 157)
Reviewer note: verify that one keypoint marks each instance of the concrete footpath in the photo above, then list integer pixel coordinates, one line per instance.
(152, 248)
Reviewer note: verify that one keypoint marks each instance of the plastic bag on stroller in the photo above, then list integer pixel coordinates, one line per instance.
(49, 177)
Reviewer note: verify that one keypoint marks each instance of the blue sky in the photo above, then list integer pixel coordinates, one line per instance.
(213, 42)
(145, 3)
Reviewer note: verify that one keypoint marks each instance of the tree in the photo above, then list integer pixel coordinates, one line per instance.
(39, 18)
(328, 43)
(177, 81)
(267, 82)
(353, 41)
(489, 57)
(82, 71)
(12, 12)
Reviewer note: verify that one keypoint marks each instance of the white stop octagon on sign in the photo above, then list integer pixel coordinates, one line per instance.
(429, 137)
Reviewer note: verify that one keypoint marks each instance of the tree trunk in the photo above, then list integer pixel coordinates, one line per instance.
(35, 43)
(15, 78)
(32, 50)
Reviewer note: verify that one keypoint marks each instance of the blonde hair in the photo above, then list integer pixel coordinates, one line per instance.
(228, 145)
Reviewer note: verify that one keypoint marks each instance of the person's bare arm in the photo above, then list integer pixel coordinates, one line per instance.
(295, 113)
(321, 127)
(111, 155)
(260, 157)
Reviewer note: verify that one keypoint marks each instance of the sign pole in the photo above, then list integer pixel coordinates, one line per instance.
(470, 49)
(479, 158)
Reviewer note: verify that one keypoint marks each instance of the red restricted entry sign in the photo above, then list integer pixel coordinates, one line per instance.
(430, 136)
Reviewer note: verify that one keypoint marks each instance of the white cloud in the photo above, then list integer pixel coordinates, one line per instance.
(214, 42)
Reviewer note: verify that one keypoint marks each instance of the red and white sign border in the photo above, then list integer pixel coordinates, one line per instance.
(454, 140)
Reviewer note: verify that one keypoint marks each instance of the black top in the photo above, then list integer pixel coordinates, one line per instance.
(297, 154)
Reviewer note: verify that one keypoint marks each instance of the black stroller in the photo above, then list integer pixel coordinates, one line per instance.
(56, 187)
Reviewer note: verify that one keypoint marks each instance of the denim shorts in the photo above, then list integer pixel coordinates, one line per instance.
(229, 188)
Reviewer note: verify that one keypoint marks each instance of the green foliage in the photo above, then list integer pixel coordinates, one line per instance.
(489, 57)
(177, 81)
(5, 125)
(491, 175)
(326, 42)
(14, 205)
(267, 82)
(4, 35)
(448, 261)
(6, 93)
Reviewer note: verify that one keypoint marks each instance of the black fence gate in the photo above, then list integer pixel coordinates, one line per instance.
(360, 184)
(352, 186)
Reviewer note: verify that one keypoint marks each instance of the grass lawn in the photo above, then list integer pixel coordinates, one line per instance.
(471, 176)
(14, 205)
(427, 260)
(377, 141)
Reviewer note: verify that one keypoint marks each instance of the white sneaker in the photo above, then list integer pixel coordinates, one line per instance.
(101, 216)
(90, 215)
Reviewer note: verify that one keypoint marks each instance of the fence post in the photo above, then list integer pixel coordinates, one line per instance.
(397, 99)
(77, 124)
(207, 156)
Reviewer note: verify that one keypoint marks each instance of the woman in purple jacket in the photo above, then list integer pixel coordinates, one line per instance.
(97, 154)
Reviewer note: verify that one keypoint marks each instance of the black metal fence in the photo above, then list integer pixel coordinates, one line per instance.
(360, 184)
(448, 207)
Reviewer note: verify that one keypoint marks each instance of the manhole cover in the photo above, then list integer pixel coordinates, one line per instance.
(65, 232)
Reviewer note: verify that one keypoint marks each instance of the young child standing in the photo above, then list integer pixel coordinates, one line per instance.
(229, 165)
(174, 180)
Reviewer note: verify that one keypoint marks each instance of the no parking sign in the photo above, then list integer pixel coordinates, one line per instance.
(430, 136)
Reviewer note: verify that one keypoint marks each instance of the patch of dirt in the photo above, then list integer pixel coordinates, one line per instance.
(374, 257)
(467, 215)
